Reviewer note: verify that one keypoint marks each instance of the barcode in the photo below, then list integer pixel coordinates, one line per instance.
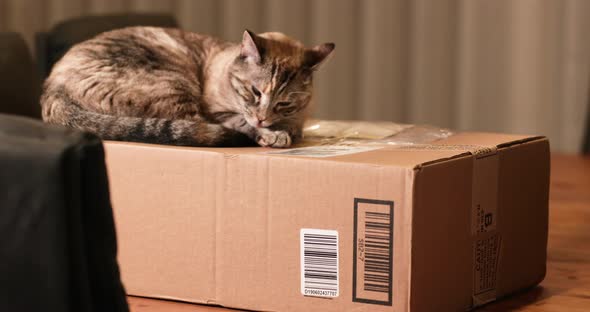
(377, 251)
(372, 274)
(319, 263)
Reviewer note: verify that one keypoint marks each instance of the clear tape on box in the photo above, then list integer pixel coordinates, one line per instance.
(355, 133)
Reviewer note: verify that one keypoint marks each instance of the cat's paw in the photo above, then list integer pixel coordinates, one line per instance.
(269, 138)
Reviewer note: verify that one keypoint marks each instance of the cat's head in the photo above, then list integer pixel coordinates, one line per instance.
(272, 77)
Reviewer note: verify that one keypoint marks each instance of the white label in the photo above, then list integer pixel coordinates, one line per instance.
(325, 150)
(319, 263)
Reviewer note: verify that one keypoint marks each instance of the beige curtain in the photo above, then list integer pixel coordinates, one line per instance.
(518, 66)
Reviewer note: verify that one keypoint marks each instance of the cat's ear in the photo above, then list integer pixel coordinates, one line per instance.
(317, 55)
(252, 47)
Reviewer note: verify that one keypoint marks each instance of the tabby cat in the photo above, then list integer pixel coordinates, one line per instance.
(168, 86)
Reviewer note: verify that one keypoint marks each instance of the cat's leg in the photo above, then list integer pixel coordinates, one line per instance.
(263, 136)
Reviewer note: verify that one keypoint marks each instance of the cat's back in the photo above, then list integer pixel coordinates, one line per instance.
(131, 65)
(138, 48)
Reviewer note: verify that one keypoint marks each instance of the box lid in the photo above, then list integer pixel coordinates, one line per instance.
(401, 155)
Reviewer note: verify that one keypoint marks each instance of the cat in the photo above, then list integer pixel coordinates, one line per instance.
(168, 86)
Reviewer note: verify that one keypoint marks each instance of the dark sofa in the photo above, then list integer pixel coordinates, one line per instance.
(58, 248)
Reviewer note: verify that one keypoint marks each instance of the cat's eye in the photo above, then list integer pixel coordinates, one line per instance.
(289, 111)
(283, 104)
(255, 91)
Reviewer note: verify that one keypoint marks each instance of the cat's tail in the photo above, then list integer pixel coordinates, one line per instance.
(59, 108)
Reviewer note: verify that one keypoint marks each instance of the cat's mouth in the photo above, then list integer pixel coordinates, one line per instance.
(257, 123)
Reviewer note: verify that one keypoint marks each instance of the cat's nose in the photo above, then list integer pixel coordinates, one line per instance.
(260, 121)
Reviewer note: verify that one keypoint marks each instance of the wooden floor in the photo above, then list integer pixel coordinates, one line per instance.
(567, 285)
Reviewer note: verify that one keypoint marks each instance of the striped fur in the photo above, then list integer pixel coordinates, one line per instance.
(167, 86)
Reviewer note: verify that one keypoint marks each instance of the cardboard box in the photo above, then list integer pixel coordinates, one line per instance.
(443, 226)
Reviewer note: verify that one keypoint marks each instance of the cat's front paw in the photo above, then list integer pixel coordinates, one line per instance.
(269, 138)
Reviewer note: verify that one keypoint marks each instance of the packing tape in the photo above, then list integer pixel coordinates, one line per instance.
(355, 133)
(484, 230)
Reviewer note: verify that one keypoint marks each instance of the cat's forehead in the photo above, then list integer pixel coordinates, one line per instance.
(278, 65)
(283, 51)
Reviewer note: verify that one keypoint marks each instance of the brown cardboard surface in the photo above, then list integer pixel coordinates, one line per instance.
(223, 226)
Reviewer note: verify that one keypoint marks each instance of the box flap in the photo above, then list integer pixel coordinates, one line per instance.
(496, 190)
